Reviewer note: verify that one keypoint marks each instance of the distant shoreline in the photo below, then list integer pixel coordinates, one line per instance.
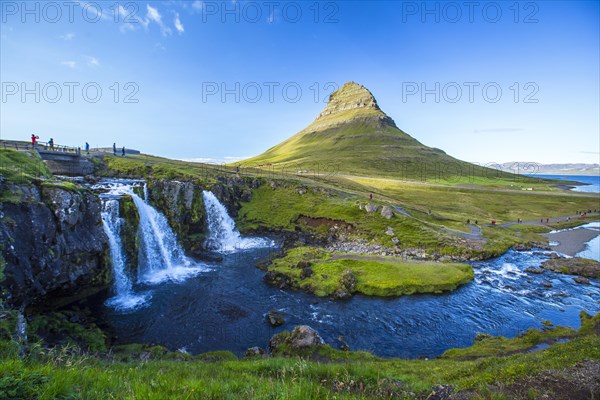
(571, 241)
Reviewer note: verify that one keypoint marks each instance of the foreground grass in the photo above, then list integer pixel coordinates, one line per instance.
(64, 374)
(324, 274)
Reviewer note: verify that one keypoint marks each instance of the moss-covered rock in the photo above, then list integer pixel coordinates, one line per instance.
(129, 230)
(574, 266)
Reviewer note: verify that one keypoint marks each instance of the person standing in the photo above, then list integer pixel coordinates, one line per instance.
(123, 152)
(51, 143)
(114, 149)
(34, 139)
(87, 148)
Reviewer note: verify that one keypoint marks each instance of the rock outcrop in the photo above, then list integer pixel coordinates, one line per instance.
(574, 266)
(301, 338)
(51, 241)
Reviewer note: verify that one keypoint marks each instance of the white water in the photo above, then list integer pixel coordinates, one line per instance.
(160, 255)
(124, 297)
(222, 233)
(146, 197)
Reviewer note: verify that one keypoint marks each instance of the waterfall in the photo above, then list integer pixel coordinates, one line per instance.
(124, 298)
(222, 233)
(146, 196)
(160, 255)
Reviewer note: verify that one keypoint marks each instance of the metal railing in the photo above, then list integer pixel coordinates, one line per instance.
(43, 146)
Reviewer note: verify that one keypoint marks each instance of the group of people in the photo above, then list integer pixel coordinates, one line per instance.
(35, 138)
(115, 150)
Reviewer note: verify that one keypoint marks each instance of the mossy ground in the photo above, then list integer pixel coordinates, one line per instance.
(22, 166)
(379, 276)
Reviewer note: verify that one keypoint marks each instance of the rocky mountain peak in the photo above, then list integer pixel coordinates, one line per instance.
(351, 102)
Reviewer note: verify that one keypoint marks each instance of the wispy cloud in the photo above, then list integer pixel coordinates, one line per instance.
(70, 64)
(497, 130)
(210, 160)
(67, 36)
(154, 16)
(198, 5)
(92, 61)
(178, 24)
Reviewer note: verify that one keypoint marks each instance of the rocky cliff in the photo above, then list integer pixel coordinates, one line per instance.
(51, 242)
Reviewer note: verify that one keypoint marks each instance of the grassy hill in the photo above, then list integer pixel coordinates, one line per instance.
(353, 136)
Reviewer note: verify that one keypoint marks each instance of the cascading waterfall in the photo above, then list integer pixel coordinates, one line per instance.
(124, 298)
(160, 255)
(146, 196)
(160, 258)
(222, 233)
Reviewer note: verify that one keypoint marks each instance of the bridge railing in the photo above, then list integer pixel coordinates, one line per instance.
(45, 146)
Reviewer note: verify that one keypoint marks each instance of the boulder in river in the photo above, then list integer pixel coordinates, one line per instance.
(275, 318)
(574, 266)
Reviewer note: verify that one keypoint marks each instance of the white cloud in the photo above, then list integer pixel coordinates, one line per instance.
(154, 16)
(92, 61)
(67, 36)
(70, 64)
(178, 24)
(211, 160)
(198, 5)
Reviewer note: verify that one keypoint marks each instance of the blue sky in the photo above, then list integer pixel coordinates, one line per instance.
(224, 80)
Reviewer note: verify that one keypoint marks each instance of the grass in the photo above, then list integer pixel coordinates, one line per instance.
(64, 373)
(22, 166)
(491, 346)
(342, 274)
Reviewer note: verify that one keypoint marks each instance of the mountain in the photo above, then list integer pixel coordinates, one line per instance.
(353, 136)
(552, 169)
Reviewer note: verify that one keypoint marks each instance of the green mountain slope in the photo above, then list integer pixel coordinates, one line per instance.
(353, 136)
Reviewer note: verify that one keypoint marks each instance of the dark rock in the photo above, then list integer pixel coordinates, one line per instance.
(536, 271)
(574, 266)
(254, 352)
(52, 242)
(582, 280)
(441, 392)
(547, 285)
(277, 279)
(303, 264)
(347, 284)
(275, 318)
(306, 273)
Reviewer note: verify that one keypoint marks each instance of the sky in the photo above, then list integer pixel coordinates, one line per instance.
(206, 80)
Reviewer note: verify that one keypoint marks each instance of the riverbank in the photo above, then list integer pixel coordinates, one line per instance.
(571, 241)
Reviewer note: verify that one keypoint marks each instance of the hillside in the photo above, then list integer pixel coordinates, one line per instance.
(353, 136)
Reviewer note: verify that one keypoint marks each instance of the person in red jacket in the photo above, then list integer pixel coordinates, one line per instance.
(34, 138)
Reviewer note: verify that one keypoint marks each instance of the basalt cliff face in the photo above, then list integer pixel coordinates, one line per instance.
(51, 243)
